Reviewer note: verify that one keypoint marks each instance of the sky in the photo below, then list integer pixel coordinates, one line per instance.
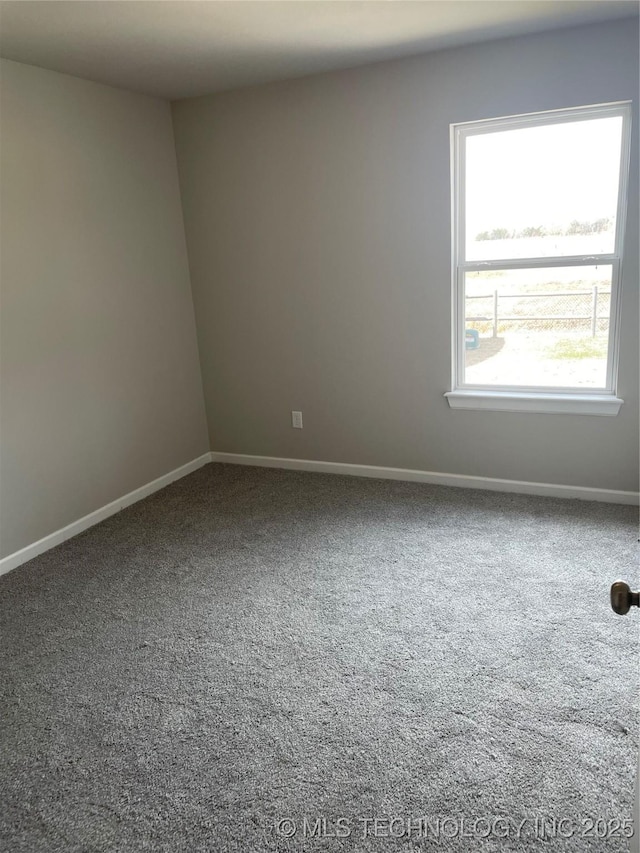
(543, 175)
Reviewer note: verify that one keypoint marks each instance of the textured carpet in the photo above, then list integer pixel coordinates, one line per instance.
(257, 660)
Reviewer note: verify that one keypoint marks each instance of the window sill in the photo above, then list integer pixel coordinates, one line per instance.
(535, 402)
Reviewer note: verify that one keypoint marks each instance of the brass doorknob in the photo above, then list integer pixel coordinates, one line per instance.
(622, 599)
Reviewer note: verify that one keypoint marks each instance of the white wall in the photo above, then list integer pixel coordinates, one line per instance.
(101, 387)
(317, 214)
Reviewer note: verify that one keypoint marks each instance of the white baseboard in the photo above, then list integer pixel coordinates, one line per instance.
(59, 536)
(520, 486)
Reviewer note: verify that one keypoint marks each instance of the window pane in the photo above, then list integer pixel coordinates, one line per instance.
(538, 327)
(547, 190)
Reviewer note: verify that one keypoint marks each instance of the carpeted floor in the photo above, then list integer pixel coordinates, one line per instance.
(258, 660)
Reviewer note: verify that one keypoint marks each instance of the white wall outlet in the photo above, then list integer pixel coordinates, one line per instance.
(296, 420)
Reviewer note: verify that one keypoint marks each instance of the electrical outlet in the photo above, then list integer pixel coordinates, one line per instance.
(296, 420)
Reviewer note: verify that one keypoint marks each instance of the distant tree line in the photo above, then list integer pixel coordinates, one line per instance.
(597, 226)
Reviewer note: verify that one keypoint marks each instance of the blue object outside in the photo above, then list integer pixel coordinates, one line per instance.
(471, 339)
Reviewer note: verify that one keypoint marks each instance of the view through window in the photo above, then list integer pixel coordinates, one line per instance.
(538, 245)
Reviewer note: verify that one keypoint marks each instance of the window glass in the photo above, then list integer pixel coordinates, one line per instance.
(543, 191)
(539, 204)
(545, 327)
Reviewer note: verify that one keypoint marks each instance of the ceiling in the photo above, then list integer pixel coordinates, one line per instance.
(183, 48)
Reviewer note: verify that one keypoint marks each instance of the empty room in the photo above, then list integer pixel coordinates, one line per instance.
(319, 426)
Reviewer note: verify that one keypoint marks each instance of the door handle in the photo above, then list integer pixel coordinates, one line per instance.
(622, 599)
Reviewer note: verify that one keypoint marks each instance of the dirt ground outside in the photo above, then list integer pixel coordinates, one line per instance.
(539, 358)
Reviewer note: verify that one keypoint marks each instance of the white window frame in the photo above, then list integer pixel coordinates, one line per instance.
(512, 398)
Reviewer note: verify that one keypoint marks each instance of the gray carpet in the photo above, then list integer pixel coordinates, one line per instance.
(251, 652)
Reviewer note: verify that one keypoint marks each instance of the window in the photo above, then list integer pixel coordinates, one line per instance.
(538, 221)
